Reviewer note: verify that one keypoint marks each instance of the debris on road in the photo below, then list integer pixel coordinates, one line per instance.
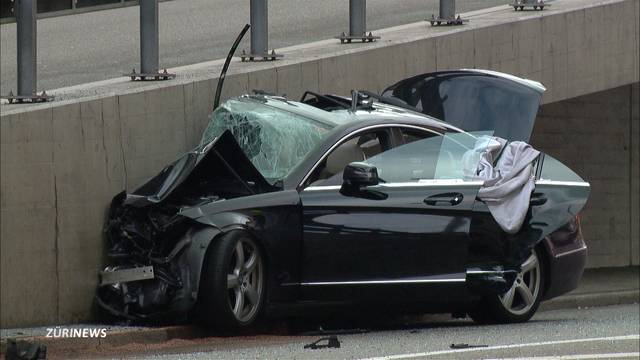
(332, 342)
(466, 346)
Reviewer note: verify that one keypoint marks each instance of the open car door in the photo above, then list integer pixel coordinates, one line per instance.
(404, 235)
(558, 197)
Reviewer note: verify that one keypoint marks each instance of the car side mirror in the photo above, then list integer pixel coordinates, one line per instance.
(359, 174)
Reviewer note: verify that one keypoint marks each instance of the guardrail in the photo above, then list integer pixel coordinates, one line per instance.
(54, 8)
(26, 19)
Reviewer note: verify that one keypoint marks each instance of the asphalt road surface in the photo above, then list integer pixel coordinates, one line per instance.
(100, 45)
(587, 333)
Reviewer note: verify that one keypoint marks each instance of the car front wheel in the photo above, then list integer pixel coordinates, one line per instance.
(521, 301)
(232, 286)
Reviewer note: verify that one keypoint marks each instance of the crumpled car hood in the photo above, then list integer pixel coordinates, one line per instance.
(223, 149)
(148, 237)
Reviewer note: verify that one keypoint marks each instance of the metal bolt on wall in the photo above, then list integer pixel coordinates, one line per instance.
(357, 23)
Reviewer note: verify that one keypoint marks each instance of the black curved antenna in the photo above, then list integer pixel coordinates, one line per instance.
(223, 74)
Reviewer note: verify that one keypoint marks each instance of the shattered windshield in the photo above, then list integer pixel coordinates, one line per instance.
(275, 140)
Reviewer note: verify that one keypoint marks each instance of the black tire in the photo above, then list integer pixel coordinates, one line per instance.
(215, 309)
(493, 309)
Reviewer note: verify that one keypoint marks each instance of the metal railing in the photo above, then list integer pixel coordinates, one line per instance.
(54, 8)
(26, 14)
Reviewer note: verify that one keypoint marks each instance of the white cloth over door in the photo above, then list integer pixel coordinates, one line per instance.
(508, 185)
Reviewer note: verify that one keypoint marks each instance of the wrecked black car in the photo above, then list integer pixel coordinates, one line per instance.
(349, 201)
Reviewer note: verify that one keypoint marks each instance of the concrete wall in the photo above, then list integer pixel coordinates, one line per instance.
(597, 135)
(62, 162)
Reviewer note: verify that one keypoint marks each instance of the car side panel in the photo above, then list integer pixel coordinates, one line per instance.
(274, 220)
(388, 236)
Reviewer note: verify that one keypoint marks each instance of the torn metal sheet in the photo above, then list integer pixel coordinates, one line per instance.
(113, 276)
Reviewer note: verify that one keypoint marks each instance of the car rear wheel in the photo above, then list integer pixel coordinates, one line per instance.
(232, 287)
(521, 301)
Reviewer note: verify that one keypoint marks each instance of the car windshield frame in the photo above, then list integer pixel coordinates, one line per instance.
(275, 139)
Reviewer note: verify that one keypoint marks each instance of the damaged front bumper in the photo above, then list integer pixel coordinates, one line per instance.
(111, 275)
(156, 249)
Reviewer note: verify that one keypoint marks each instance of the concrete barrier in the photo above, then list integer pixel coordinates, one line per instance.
(63, 161)
(597, 136)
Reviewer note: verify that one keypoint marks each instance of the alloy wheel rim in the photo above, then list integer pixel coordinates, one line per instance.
(244, 280)
(522, 295)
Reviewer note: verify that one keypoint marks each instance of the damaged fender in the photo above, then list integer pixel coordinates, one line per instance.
(157, 236)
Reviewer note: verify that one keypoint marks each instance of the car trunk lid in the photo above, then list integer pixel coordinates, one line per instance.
(474, 100)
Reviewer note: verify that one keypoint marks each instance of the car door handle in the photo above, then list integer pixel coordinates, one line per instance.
(538, 199)
(446, 199)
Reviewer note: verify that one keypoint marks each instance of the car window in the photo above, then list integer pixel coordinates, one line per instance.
(422, 157)
(357, 148)
(414, 160)
(431, 157)
(553, 169)
(409, 135)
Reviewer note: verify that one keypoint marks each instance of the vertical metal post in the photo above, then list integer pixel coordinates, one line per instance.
(149, 52)
(447, 9)
(357, 23)
(149, 44)
(259, 27)
(26, 36)
(259, 19)
(357, 17)
(447, 14)
(27, 52)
